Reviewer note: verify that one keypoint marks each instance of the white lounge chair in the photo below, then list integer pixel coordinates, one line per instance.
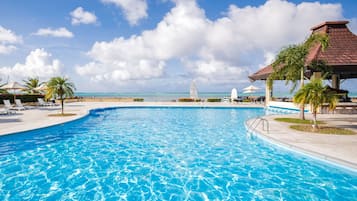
(19, 104)
(41, 102)
(10, 107)
(4, 111)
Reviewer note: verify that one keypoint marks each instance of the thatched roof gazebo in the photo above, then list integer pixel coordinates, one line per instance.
(340, 55)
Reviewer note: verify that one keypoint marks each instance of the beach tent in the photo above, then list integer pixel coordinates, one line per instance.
(42, 87)
(13, 86)
(251, 88)
(234, 94)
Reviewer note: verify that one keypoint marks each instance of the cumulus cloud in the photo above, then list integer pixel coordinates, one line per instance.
(134, 10)
(38, 63)
(60, 32)
(8, 39)
(80, 16)
(212, 51)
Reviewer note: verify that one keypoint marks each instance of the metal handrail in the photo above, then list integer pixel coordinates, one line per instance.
(256, 123)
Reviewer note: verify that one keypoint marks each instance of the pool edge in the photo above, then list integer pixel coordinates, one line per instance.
(329, 160)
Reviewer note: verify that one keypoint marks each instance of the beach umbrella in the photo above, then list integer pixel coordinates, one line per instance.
(13, 86)
(251, 88)
(234, 94)
(193, 91)
(42, 87)
(249, 91)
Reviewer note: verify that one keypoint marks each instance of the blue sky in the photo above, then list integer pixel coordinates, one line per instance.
(155, 45)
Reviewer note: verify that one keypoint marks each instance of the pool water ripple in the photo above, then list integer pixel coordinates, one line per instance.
(162, 154)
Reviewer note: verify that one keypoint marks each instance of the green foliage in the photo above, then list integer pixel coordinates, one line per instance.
(25, 98)
(60, 88)
(186, 100)
(290, 62)
(2, 91)
(31, 84)
(315, 94)
(138, 100)
(323, 130)
(296, 121)
(213, 100)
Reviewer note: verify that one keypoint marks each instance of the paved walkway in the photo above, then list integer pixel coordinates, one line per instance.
(337, 148)
(341, 149)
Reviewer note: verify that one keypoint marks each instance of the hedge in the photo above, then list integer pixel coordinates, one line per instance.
(213, 100)
(24, 98)
(138, 99)
(186, 100)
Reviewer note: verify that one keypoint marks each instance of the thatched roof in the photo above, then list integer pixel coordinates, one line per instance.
(341, 54)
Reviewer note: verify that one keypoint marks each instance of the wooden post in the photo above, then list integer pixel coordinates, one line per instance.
(268, 93)
(317, 75)
(335, 81)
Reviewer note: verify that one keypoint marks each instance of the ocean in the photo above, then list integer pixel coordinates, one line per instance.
(170, 96)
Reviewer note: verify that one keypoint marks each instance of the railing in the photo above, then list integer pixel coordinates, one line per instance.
(258, 121)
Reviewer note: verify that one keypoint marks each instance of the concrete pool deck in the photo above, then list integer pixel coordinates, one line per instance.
(339, 149)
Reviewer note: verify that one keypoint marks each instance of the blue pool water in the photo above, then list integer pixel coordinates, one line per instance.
(162, 154)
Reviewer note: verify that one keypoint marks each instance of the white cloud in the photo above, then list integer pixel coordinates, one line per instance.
(211, 51)
(39, 63)
(80, 16)
(60, 32)
(7, 40)
(353, 25)
(134, 10)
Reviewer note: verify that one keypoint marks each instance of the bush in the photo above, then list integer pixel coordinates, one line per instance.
(213, 100)
(25, 98)
(186, 100)
(138, 100)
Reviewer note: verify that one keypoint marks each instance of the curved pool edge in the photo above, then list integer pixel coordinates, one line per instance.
(91, 106)
(324, 158)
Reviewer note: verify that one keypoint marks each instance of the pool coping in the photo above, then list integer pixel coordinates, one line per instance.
(327, 159)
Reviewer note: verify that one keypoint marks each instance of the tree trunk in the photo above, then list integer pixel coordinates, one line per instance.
(315, 120)
(62, 105)
(302, 106)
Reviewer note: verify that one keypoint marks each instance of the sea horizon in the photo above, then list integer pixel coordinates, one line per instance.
(169, 96)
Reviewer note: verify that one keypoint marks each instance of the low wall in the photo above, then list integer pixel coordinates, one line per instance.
(286, 105)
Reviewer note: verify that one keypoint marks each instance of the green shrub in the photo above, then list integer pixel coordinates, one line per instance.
(138, 100)
(186, 100)
(213, 100)
(25, 98)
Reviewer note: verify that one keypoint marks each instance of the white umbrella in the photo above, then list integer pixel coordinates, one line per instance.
(251, 88)
(249, 91)
(14, 86)
(42, 87)
(234, 94)
(193, 91)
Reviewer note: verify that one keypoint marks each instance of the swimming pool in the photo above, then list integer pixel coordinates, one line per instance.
(160, 153)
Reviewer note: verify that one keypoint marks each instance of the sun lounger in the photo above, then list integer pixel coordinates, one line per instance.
(11, 107)
(19, 104)
(3, 111)
(41, 102)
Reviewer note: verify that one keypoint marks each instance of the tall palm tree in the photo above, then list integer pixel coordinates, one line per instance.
(61, 88)
(315, 94)
(290, 63)
(31, 84)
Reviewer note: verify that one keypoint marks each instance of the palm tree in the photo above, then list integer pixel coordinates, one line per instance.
(2, 91)
(31, 84)
(61, 88)
(315, 94)
(290, 63)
